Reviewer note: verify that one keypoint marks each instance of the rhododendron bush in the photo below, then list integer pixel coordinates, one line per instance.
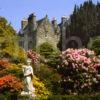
(33, 55)
(10, 84)
(4, 64)
(79, 70)
(4, 67)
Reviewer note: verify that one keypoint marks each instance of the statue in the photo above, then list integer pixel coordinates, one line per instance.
(28, 75)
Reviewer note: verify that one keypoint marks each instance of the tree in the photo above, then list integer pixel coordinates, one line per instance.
(85, 21)
(9, 41)
(46, 50)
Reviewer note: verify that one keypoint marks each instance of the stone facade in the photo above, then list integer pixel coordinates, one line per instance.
(67, 39)
(33, 33)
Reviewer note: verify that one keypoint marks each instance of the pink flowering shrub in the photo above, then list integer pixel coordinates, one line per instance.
(79, 70)
(33, 55)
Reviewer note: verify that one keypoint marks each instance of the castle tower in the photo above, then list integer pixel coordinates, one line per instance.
(32, 22)
(56, 28)
(54, 22)
(24, 23)
(63, 32)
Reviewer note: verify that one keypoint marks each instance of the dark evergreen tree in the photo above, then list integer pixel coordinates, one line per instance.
(85, 21)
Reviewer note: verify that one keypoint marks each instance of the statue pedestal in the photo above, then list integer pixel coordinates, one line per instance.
(24, 93)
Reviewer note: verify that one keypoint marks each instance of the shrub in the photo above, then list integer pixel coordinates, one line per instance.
(16, 70)
(19, 55)
(46, 50)
(4, 64)
(7, 67)
(78, 70)
(4, 67)
(73, 97)
(49, 77)
(10, 84)
(94, 44)
(33, 55)
(40, 88)
(54, 60)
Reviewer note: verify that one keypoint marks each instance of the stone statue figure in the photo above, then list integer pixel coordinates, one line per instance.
(28, 75)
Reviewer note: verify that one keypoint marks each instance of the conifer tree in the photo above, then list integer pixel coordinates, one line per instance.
(85, 21)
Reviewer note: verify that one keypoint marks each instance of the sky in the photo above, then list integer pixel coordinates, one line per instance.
(15, 10)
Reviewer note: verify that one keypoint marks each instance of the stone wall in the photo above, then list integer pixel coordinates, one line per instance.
(46, 33)
(37, 32)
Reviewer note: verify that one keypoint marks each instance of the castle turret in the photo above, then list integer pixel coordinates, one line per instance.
(64, 19)
(54, 22)
(24, 23)
(32, 21)
(55, 26)
(63, 31)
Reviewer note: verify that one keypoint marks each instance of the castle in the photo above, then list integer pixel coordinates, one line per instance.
(33, 33)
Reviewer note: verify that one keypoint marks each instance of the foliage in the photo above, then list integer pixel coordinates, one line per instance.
(73, 97)
(69, 97)
(4, 64)
(47, 74)
(79, 70)
(54, 60)
(10, 84)
(46, 50)
(16, 70)
(9, 42)
(7, 67)
(20, 56)
(33, 55)
(7, 36)
(95, 45)
(58, 97)
(40, 88)
(49, 77)
(85, 21)
(49, 54)
(4, 67)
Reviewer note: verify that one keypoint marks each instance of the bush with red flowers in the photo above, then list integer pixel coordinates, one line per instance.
(10, 84)
(4, 66)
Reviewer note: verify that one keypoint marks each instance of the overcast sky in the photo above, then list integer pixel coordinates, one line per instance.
(15, 10)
